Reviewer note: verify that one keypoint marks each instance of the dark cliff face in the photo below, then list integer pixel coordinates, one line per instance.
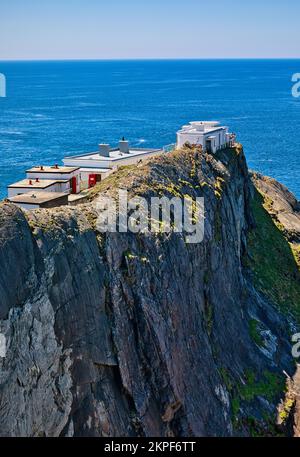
(123, 334)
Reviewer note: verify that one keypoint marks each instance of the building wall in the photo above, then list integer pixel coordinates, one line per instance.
(55, 176)
(50, 204)
(135, 159)
(200, 139)
(84, 177)
(57, 187)
(183, 138)
(113, 165)
(26, 206)
(62, 187)
(87, 163)
(62, 201)
(92, 163)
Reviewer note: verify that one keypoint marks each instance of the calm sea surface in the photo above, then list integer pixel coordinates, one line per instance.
(57, 108)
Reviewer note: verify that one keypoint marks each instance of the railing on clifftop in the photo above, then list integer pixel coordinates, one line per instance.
(169, 147)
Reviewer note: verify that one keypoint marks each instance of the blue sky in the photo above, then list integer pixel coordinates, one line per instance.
(97, 29)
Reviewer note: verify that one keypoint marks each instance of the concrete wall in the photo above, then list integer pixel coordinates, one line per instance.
(183, 138)
(135, 159)
(57, 202)
(50, 204)
(87, 163)
(62, 187)
(57, 187)
(55, 176)
(26, 206)
(200, 139)
(84, 177)
(92, 163)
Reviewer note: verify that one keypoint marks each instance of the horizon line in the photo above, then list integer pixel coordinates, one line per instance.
(143, 59)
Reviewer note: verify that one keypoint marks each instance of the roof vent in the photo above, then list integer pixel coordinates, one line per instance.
(124, 146)
(104, 149)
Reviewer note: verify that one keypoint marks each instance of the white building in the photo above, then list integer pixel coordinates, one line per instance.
(38, 185)
(95, 166)
(209, 134)
(55, 173)
(40, 199)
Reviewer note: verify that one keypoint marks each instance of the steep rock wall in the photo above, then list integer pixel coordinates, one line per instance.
(123, 334)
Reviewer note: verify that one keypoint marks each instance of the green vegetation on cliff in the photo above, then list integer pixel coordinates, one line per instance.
(271, 260)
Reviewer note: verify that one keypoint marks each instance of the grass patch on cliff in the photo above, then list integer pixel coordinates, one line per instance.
(115, 180)
(272, 262)
(270, 386)
(209, 316)
(267, 385)
(296, 253)
(254, 332)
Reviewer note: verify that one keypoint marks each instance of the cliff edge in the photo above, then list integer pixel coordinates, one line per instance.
(145, 335)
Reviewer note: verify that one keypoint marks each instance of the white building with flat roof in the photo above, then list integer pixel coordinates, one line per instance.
(38, 185)
(208, 134)
(95, 166)
(36, 200)
(56, 172)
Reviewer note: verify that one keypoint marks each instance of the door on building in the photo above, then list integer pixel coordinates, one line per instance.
(74, 185)
(208, 145)
(92, 180)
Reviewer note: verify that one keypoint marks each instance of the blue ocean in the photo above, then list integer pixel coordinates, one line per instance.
(57, 108)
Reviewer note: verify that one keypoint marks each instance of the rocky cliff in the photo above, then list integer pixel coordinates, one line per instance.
(121, 334)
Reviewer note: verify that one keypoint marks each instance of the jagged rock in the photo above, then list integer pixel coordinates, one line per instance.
(282, 205)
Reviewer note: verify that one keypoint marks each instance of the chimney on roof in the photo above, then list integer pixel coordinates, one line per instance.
(56, 166)
(124, 146)
(104, 149)
(37, 180)
(30, 182)
(42, 168)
